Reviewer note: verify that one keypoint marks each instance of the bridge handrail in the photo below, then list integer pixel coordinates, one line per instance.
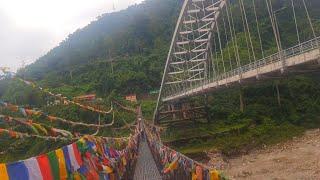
(158, 149)
(277, 57)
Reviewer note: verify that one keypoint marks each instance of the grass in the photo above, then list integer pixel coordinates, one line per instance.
(148, 107)
(200, 130)
(232, 142)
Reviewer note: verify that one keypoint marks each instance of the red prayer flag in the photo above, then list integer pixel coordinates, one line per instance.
(77, 154)
(45, 167)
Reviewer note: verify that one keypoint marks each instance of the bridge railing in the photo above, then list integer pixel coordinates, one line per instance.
(174, 165)
(277, 57)
(274, 58)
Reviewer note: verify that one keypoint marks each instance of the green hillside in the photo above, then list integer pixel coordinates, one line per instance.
(138, 39)
(125, 52)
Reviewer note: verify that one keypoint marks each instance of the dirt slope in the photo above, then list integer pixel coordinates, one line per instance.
(297, 159)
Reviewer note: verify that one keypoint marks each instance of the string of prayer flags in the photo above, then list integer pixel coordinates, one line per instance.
(29, 112)
(33, 168)
(3, 172)
(15, 134)
(124, 107)
(88, 158)
(36, 127)
(65, 99)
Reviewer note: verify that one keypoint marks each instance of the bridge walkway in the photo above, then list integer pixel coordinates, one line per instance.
(146, 168)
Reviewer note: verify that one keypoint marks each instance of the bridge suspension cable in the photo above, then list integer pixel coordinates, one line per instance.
(245, 31)
(295, 21)
(217, 70)
(309, 19)
(273, 24)
(227, 40)
(248, 29)
(233, 33)
(258, 27)
(220, 45)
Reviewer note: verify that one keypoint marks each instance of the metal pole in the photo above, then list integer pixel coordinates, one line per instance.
(278, 93)
(241, 100)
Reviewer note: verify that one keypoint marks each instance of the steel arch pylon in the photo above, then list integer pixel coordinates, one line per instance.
(188, 61)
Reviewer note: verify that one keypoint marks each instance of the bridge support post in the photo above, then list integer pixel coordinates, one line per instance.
(278, 93)
(182, 111)
(172, 108)
(206, 107)
(241, 100)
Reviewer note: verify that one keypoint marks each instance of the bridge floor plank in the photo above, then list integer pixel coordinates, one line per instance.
(146, 168)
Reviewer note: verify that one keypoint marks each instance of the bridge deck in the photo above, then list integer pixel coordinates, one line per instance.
(295, 56)
(146, 168)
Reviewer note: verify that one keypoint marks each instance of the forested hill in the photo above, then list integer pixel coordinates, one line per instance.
(138, 40)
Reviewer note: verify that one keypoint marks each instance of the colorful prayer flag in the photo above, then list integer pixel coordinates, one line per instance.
(17, 171)
(67, 158)
(54, 164)
(3, 172)
(62, 164)
(33, 169)
(74, 163)
(214, 175)
(77, 154)
(44, 166)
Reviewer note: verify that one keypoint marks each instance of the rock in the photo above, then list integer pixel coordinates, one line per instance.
(245, 173)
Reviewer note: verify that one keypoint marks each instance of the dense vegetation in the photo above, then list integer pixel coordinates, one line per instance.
(136, 39)
(263, 121)
(125, 52)
(17, 92)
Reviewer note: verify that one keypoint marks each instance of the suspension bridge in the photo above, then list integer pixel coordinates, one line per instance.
(203, 57)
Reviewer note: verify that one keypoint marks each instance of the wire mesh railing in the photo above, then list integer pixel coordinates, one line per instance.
(281, 56)
(175, 166)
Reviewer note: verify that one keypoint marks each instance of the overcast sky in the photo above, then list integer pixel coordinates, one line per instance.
(30, 28)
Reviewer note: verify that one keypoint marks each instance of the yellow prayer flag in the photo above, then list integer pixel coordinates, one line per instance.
(3, 172)
(214, 175)
(124, 161)
(52, 118)
(41, 128)
(77, 176)
(173, 165)
(112, 177)
(62, 164)
(194, 176)
(107, 169)
(82, 140)
(199, 172)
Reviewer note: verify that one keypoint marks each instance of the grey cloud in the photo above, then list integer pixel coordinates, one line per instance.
(20, 44)
(17, 44)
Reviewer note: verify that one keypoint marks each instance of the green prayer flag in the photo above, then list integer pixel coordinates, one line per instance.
(82, 147)
(54, 163)
(34, 129)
